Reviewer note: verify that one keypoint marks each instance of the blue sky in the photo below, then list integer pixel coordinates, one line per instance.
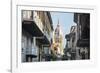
(65, 21)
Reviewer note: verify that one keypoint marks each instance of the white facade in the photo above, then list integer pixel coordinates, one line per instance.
(41, 20)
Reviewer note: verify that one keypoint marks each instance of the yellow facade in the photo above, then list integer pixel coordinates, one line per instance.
(57, 40)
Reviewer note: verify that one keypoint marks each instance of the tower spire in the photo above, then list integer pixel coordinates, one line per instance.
(58, 21)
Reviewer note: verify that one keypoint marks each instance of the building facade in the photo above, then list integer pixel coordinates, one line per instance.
(83, 34)
(37, 31)
(71, 40)
(78, 40)
(57, 47)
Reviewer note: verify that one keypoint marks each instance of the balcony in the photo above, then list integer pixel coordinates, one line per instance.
(34, 25)
(67, 36)
(31, 53)
(83, 43)
(31, 24)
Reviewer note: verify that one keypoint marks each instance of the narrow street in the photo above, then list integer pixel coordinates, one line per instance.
(55, 36)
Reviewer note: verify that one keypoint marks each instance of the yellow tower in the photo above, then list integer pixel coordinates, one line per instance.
(58, 40)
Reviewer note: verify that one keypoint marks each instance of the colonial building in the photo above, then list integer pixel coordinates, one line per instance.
(83, 34)
(57, 41)
(37, 30)
(71, 40)
(67, 49)
(78, 40)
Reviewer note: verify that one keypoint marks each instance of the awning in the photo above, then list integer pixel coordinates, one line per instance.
(32, 28)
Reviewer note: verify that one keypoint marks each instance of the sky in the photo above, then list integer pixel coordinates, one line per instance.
(65, 21)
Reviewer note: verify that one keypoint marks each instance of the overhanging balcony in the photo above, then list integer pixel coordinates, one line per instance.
(83, 43)
(31, 27)
(31, 24)
(34, 26)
